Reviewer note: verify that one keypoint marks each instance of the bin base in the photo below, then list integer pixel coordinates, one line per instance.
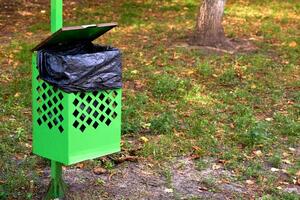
(57, 187)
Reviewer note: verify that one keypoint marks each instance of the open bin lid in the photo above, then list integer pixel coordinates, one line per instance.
(72, 34)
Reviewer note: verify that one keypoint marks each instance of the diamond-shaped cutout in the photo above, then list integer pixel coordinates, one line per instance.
(108, 122)
(82, 106)
(95, 125)
(89, 121)
(49, 92)
(49, 104)
(44, 96)
(75, 102)
(75, 124)
(95, 103)
(75, 113)
(114, 115)
(61, 129)
(82, 117)
(114, 105)
(107, 101)
(95, 114)
(114, 94)
(44, 118)
(102, 107)
(44, 85)
(108, 111)
(39, 89)
(55, 111)
(89, 110)
(61, 118)
(81, 95)
(102, 118)
(55, 100)
(39, 121)
(95, 93)
(60, 96)
(88, 99)
(44, 107)
(60, 106)
(50, 114)
(82, 128)
(102, 96)
(55, 121)
(50, 125)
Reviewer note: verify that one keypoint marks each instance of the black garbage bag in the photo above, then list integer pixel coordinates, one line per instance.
(81, 67)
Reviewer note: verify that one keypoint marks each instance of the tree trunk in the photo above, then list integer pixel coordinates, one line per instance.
(209, 30)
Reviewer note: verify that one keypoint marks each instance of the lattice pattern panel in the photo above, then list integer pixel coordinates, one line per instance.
(92, 109)
(49, 106)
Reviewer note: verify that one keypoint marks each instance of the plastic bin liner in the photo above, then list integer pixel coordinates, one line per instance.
(81, 67)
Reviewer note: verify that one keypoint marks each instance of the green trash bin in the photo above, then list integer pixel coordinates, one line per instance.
(73, 127)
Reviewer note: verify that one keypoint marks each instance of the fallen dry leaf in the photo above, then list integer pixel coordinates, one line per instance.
(99, 170)
(292, 149)
(216, 166)
(286, 161)
(293, 44)
(258, 153)
(203, 188)
(144, 139)
(250, 182)
(79, 165)
(194, 157)
(17, 94)
(196, 148)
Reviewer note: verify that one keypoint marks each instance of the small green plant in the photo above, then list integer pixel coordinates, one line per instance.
(163, 123)
(229, 77)
(169, 87)
(204, 69)
(286, 125)
(253, 170)
(201, 164)
(275, 160)
(168, 175)
(257, 134)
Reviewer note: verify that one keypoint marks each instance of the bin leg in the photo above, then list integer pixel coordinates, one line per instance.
(57, 187)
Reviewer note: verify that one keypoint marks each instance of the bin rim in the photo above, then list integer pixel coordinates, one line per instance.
(71, 34)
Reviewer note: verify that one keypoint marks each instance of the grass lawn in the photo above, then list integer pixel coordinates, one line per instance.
(240, 110)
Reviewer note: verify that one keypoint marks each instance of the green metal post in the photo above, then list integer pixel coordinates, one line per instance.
(57, 187)
(56, 15)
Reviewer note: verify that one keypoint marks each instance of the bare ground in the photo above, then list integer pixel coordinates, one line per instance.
(141, 180)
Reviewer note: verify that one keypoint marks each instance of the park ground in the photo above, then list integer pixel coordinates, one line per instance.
(196, 125)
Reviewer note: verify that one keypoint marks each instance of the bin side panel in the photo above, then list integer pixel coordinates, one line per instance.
(49, 121)
(95, 124)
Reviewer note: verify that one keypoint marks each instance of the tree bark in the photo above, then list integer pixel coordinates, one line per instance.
(209, 30)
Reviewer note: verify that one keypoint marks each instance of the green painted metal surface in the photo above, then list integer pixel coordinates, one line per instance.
(73, 127)
(57, 187)
(70, 128)
(56, 15)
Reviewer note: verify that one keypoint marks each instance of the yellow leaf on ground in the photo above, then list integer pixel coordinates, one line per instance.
(258, 153)
(293, 44)
(144, 139)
